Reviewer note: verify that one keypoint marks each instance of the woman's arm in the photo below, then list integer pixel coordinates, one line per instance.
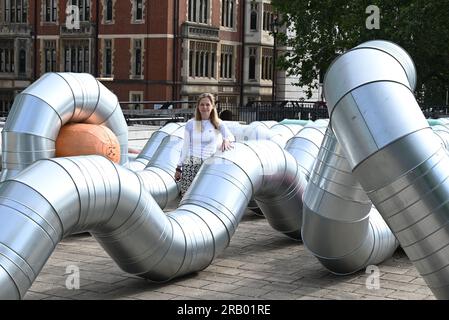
(225, 132)
(227, 137)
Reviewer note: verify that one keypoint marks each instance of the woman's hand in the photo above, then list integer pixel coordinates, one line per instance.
(178, 174)
(226, 145)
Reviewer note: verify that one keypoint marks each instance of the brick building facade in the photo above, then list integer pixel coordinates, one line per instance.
(143, 50)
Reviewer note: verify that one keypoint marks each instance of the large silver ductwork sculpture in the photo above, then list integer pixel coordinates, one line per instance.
(39, 112)
(443, 133)
(93, 194)
(153, 144)
(266, 130)
(260, 131)
(393, 153)
(158, 175)
(340, 225)
(305, 145)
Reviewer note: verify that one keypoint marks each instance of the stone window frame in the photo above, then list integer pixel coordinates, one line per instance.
(132, 94)
(103, 57)
(132, 74)
(134, 19)
(104, 12)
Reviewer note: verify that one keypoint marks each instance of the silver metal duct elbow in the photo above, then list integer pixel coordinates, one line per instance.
(340, 225)
(39, 112)
(259, 168)
(443, 133)
(305, 146)
(153, 144)
(259, 131)
(158, 175)
(284, 132)
(393, 153)
(93, 194)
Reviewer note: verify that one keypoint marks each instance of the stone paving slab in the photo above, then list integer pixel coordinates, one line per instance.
(259, 263)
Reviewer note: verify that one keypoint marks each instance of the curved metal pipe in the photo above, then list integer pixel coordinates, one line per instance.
(393, 153)
(93, 194)
(158, 175)
(340, 225)
(284, 132)
(162, 154)
(305, 146)
(153, 144)
(278, 133)
(39, 112)
(443, 133)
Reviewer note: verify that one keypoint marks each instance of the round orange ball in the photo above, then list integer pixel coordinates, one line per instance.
(76, 139)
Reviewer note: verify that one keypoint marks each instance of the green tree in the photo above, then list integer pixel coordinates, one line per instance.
(325, 28)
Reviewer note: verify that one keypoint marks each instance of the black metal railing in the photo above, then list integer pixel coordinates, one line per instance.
(435, 111)
(157, 112)
(162, 112)
(274, 110)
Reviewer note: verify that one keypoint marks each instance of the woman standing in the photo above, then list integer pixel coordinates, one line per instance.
(201, 140)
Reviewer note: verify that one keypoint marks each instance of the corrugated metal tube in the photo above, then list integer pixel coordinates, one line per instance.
(153, 144)
(443, 133)
(93, 194)
(158, 175)
(304, 147)
(340, 225)
(39, 112)
(393, 152)
(259, 131)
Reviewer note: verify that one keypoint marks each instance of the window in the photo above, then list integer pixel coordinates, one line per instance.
(50, 10)
(253, 16)
(137, 10)
(136, 96)
(7, 56)
(268, 17)
(16, 11)
(137, 58)
(252, 64)
(109, 8)
(227, 102)
(6, 100)
(84, 7)
(76, 57)
(227, 62)
(107, 64)
(50, 56)
(22, 62)
(198, 11)
(202, 59)
(267, 64)
(227, 13)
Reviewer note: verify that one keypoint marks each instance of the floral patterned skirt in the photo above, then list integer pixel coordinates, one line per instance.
(189, 170)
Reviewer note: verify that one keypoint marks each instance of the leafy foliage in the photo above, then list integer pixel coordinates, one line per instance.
(325, 28)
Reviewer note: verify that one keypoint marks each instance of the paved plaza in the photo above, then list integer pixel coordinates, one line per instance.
(259, 263)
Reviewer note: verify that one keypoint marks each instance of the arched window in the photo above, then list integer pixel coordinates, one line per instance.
(253, 17)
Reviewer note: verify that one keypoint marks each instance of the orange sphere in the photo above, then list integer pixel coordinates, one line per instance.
(76, 139)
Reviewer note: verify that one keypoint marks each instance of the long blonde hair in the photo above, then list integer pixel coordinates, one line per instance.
(213, 114)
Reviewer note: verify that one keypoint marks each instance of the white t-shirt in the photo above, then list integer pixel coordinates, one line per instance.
(201, 139)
